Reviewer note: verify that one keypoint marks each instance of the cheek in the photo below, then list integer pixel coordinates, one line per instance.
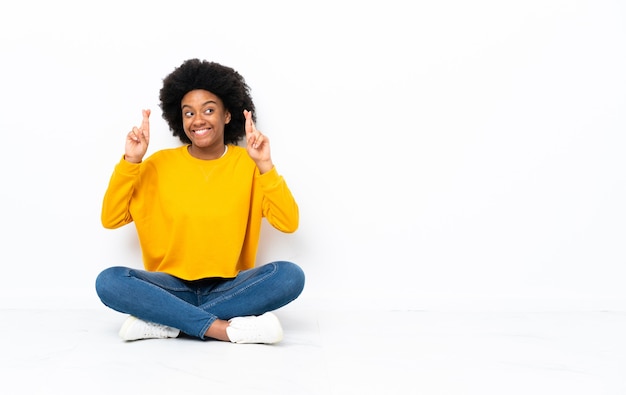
(186, 128)
(185, 125)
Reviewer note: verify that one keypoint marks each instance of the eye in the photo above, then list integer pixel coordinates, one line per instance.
(208, 111)
(187, 114)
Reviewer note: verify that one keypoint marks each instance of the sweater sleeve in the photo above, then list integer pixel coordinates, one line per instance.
(279, 206)
(116, 202)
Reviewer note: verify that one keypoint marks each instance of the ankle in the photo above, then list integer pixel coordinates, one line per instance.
(217, 330)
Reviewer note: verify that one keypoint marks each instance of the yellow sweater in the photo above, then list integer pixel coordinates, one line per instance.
(198, 218)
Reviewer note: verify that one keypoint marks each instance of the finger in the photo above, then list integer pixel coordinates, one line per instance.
(251, 140)
(135, 134)
(250, 128)
(258, 141)
(145, 123)
(251, 132)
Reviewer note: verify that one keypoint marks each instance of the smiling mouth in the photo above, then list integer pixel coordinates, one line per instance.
(201, 132)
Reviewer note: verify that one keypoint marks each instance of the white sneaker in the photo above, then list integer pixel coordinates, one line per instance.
(136, 329)
(262, 329)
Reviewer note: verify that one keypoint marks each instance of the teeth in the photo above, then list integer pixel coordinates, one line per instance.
(201, 132)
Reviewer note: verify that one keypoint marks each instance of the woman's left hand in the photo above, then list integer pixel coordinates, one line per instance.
(258, 145)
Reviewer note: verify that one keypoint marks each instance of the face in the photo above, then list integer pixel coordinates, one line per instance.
(204, 118)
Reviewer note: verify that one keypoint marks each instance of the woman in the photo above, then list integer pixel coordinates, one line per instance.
(198, 210)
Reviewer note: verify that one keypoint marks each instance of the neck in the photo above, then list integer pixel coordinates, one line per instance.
(208, 153)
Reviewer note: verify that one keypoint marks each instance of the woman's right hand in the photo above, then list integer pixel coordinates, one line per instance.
(138, 139)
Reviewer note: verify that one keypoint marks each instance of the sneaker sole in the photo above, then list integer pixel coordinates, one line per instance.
(124, 329)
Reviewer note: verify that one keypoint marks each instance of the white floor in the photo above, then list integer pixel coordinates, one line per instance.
(325, 351)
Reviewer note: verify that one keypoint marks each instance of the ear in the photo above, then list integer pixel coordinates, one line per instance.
(227, 117)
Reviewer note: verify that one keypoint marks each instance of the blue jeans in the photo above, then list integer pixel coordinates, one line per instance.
(192, 306)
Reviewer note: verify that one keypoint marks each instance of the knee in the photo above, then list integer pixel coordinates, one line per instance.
(293, 276)
(107, 280)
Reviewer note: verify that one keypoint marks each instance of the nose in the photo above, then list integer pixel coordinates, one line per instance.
(197, 119)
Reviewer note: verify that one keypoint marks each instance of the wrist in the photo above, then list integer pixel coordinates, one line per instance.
(131, 159)
(264, 166)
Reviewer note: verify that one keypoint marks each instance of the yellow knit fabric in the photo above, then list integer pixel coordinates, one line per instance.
(198, 218)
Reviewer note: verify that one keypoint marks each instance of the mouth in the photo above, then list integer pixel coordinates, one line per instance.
(200, 132)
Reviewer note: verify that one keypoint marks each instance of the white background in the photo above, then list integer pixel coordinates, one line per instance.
(445, 154)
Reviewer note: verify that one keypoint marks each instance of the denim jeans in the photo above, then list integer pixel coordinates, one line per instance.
(192, 306)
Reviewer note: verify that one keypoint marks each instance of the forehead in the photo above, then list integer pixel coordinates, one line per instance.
(199, 97)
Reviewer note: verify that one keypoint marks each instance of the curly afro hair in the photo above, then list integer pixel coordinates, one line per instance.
(222, 81)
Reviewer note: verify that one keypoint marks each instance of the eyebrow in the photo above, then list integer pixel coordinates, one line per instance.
(203, 104)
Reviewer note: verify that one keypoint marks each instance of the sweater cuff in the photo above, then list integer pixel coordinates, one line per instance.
(127, 168)
(270, 178)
